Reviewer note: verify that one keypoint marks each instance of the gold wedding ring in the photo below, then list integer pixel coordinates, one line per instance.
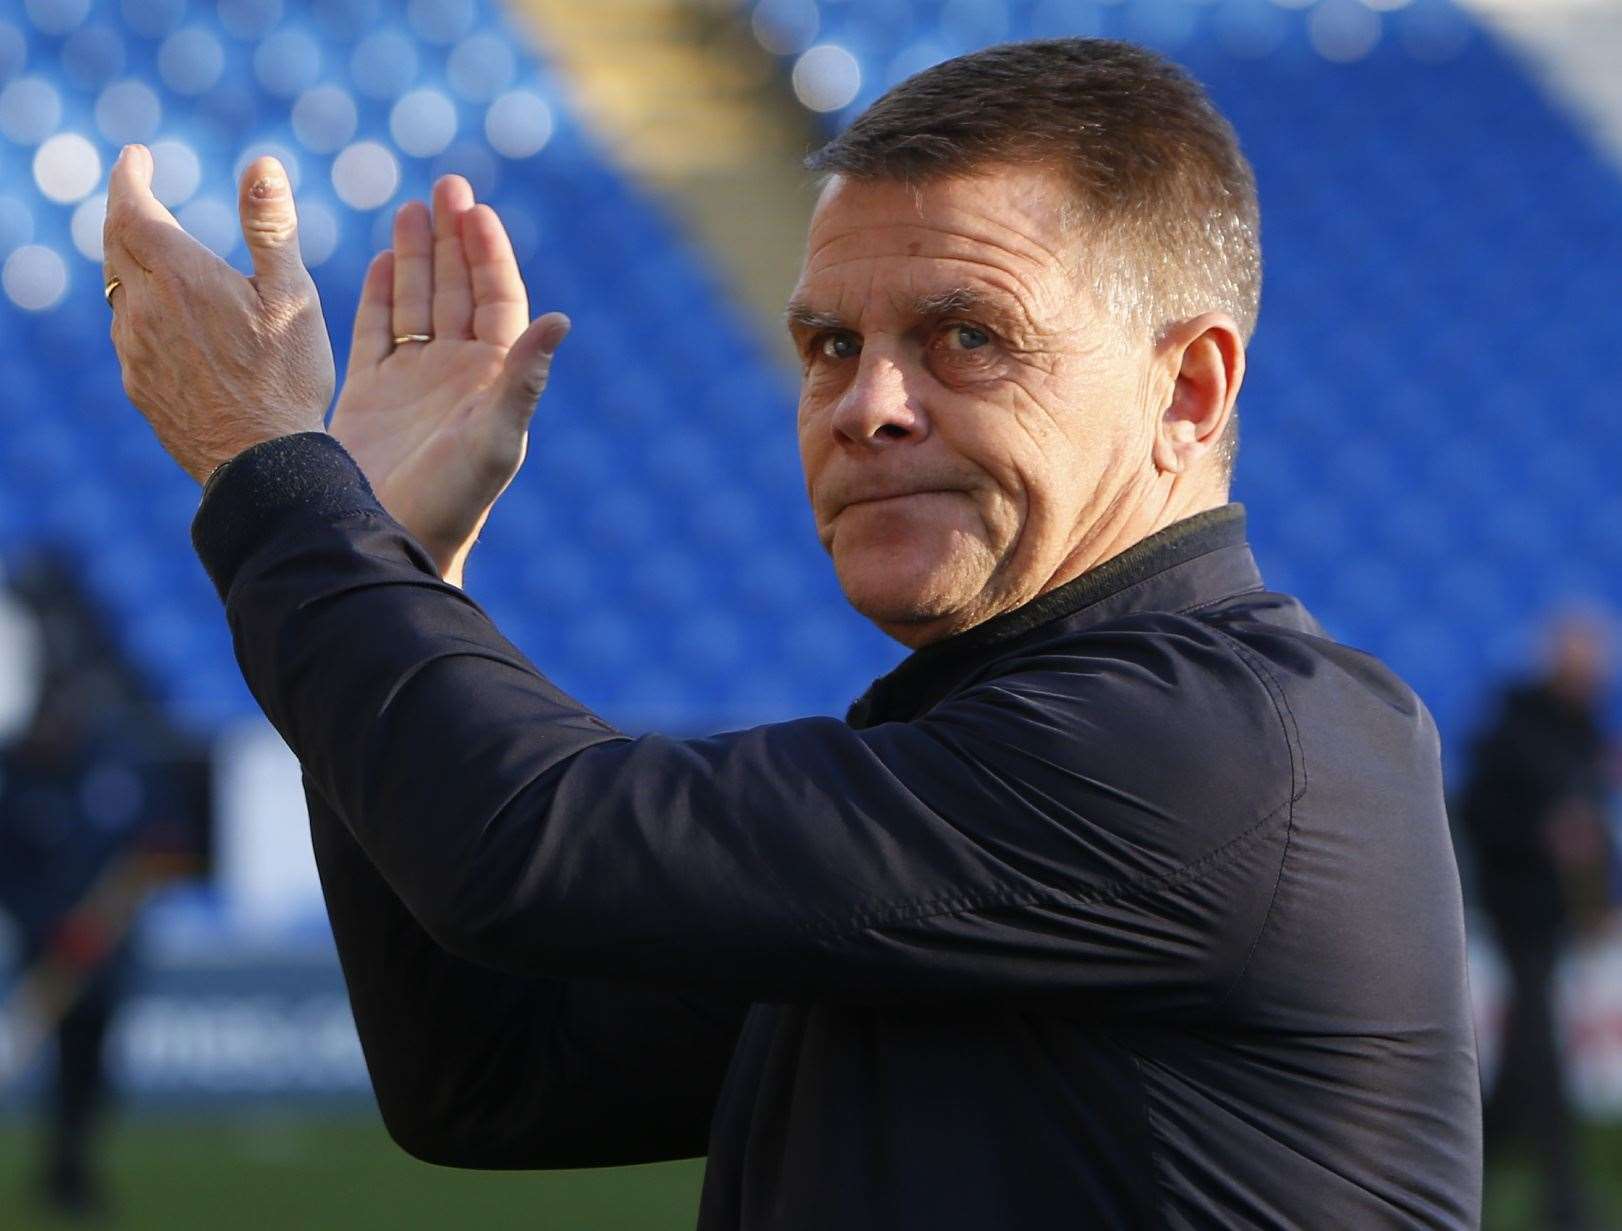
(113, 284)
(400, 339)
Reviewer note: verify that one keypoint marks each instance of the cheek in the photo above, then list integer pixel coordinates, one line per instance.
(1045, 463)
(812, 437)
(999, 441)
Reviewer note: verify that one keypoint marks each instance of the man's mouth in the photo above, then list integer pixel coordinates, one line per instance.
(887, 497)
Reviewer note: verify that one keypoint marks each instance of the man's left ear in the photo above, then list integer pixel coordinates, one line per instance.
(1205, 357)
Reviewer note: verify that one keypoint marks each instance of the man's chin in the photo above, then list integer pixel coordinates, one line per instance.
(913, 608)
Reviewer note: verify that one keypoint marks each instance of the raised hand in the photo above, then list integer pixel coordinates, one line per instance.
(215, 361)
(440, 426)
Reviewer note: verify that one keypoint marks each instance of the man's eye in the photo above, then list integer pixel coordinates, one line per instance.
(839, 346)
(967, 337)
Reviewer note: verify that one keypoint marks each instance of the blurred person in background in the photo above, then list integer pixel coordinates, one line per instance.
(1126, 900)
(93, 815)
(1534, 809)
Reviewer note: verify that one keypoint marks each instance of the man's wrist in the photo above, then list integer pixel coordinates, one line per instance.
(248, 498)
(208, 468)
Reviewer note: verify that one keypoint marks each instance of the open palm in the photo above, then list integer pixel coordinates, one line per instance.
(440, 427)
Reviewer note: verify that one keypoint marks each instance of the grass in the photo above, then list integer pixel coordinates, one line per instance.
(203, 1173)
(189, 1173)
(1514, 1197)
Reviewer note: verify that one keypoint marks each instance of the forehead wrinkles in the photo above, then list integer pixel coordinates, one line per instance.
(933, 229)
(894, 264)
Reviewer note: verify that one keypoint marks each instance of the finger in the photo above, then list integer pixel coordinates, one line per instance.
(374, 319)
(413, 270)
(137, 224)
(270, 228)
(114, 268)
(500, 303)
(453, 295)
(528, 366)
(116, 301)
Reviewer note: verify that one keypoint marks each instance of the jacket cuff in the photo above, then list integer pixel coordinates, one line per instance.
(247, 501)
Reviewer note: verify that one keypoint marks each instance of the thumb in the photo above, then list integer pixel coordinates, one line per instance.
(137, 220)
(270, 225)
(528, 365)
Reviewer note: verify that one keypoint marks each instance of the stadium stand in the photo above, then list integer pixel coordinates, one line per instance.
(1424, 388)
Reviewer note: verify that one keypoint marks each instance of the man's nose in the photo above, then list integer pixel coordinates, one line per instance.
(879, 406)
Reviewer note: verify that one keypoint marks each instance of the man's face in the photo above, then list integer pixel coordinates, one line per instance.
(969, 416)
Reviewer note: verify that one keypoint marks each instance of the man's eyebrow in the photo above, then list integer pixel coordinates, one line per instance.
(994, 308)
(959, 301)
(803, 316)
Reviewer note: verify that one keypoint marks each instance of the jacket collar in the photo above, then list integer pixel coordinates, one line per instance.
(1190, 563)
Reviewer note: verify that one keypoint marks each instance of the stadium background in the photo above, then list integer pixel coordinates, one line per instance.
(1428, 422)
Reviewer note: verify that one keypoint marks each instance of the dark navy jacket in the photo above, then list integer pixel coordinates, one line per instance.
(1134, 907)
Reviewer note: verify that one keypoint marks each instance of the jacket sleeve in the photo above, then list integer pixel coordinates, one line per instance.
(1107, 821)
(477, 1068)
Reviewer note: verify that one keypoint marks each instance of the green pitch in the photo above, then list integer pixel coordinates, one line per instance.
(342, 1172)
(182, 1174)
